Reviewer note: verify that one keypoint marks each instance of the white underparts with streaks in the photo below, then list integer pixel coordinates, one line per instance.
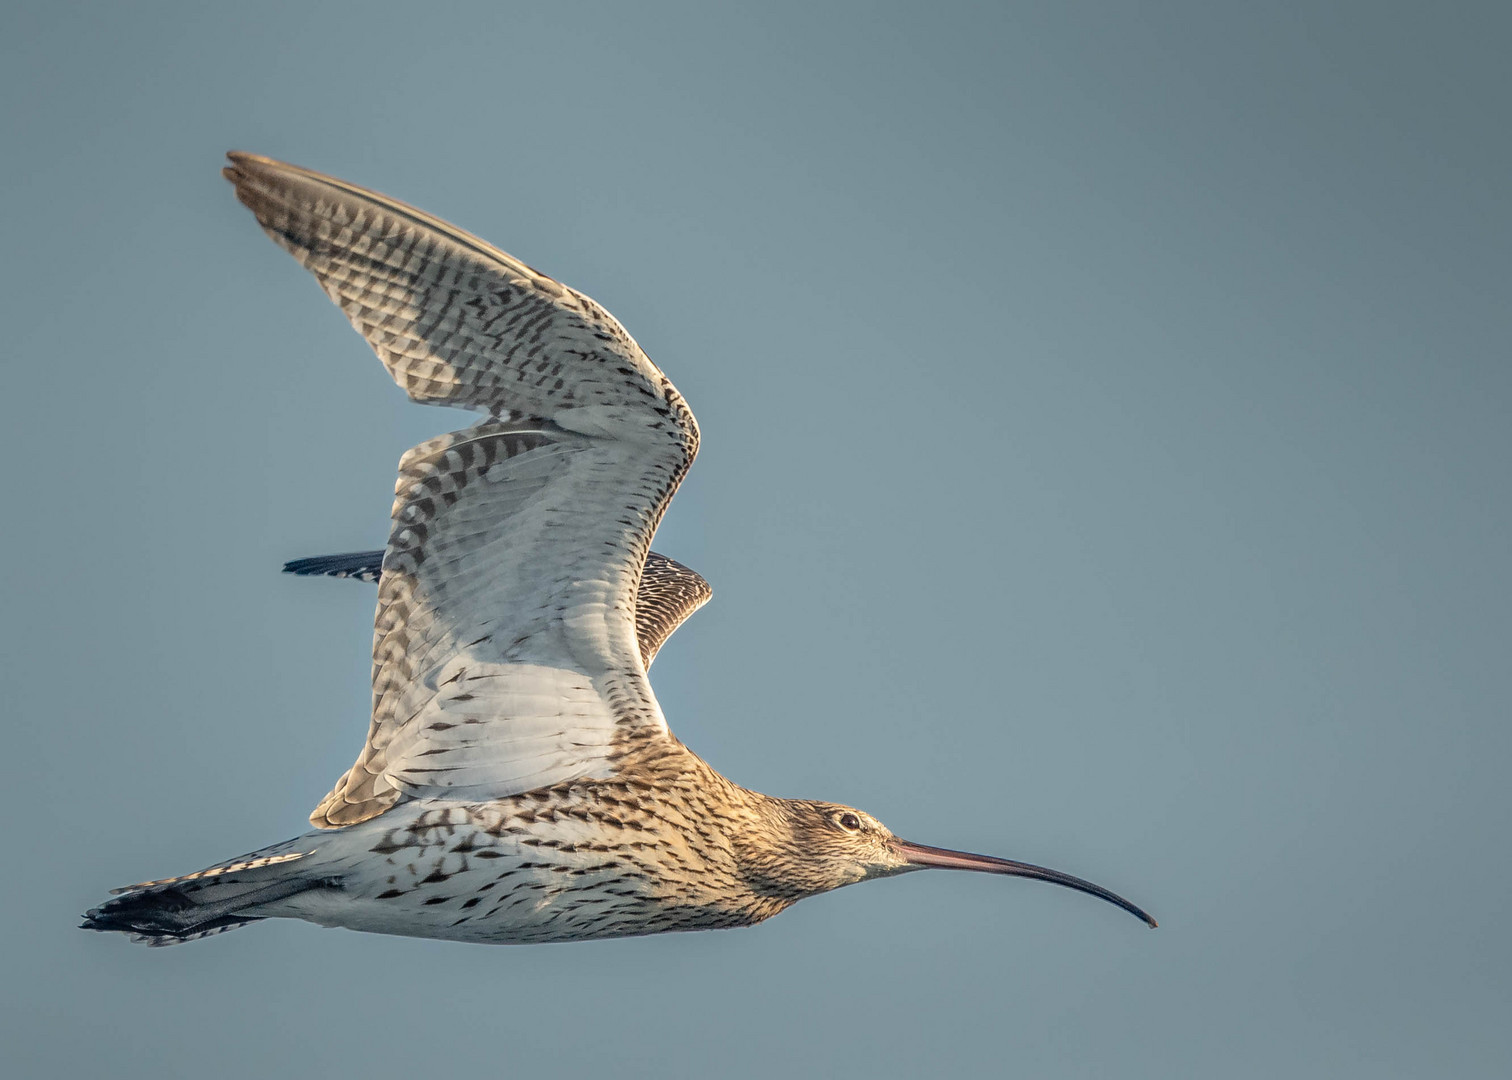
(493, 875)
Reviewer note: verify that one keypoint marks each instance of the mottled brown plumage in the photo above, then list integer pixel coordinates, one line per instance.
(518, 782)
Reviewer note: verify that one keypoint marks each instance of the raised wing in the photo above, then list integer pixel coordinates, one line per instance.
(505, 653)
(669, 592)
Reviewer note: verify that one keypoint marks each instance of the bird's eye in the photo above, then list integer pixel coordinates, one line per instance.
(849, 822)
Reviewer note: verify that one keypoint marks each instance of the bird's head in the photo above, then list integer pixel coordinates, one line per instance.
(832, 845)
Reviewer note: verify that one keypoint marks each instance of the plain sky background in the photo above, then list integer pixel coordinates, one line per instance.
(1106, 455)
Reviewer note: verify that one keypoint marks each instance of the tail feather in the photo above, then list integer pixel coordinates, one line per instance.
(159, 917)
(157, 941)
(245, 862)
(210, 901)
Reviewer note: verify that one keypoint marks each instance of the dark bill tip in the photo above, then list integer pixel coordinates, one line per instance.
(946, 859)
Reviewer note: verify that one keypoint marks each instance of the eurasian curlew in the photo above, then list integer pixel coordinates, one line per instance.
(519, 782)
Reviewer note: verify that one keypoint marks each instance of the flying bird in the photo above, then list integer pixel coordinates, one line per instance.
(519, 782)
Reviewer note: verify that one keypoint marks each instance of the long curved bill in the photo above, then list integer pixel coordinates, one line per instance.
(922, 855)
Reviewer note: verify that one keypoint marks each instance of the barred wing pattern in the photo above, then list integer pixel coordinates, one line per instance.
(505, 652)
(669, 591)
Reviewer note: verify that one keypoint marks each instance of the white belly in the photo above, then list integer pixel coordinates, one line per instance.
(437, 870)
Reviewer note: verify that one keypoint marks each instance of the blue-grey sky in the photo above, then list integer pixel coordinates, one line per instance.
(1106, 455)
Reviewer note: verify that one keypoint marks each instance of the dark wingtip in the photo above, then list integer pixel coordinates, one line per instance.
(305, 566)
(364, 565)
